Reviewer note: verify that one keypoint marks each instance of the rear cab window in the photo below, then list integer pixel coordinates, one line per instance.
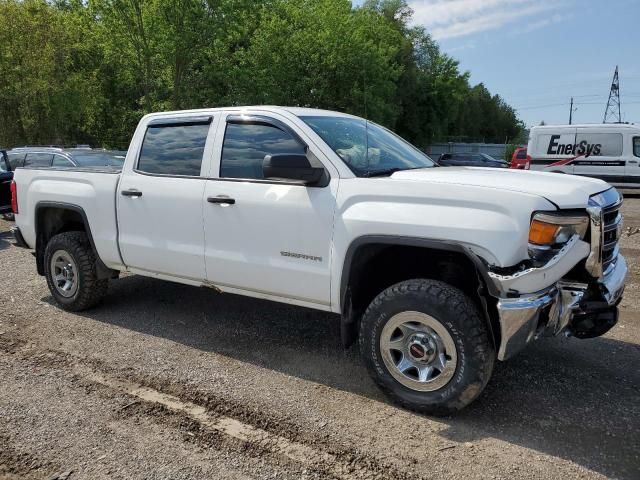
(174, 147)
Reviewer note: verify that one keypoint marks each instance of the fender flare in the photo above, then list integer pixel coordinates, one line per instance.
(102, 270)
(348, 318)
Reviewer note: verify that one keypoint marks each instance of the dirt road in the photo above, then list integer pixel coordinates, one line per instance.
(169, 381)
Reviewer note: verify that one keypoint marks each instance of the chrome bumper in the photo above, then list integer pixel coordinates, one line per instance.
(550, 311)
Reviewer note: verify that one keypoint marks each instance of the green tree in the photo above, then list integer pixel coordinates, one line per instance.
(48, 87)
(87, 70)
(319, 53)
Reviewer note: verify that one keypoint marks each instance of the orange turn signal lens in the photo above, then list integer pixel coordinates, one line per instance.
(542, 233)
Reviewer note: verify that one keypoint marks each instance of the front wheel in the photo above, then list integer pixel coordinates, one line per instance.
(70, 269)
(426, 346)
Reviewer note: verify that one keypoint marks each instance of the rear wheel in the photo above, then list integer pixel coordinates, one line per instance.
(70, 269)
(426, 346)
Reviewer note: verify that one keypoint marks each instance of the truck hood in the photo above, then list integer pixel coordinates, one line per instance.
(566, 191)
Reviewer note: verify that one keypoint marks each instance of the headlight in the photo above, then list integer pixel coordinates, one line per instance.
(549, 232)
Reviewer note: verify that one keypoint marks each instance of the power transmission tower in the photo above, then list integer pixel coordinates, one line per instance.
(613, 105)
(571, 111)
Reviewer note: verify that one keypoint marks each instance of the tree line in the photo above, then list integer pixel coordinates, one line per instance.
(85, 71)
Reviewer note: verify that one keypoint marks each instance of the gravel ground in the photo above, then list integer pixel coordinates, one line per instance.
(171, 381)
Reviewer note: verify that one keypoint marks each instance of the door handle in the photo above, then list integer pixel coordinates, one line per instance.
(222, 200)
(131, 193)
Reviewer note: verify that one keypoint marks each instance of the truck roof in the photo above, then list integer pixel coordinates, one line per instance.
(297, 111)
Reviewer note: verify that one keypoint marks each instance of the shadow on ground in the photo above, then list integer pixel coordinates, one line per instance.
(6, 240)
(574, 399)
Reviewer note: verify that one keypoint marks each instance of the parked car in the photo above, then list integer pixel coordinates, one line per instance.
(610, 152)
(520, 159)
(470, 160)
(6, 176)
(438, 272)
(64, 157)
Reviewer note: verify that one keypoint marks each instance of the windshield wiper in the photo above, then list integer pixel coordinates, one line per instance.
(388, 171)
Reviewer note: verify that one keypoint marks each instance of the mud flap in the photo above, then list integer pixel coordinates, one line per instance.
(348, 322)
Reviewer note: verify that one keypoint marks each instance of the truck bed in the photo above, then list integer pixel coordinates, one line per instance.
(92, 189)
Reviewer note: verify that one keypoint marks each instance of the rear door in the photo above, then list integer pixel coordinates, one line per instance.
(600, 154)
(477, 160)
(160, 197)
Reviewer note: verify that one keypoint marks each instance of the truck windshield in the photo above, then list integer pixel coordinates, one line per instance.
(368, 149)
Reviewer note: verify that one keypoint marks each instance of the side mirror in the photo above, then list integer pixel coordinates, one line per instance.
(291, 166)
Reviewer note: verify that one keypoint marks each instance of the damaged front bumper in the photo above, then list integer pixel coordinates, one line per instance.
(586, 310)
(559, 305)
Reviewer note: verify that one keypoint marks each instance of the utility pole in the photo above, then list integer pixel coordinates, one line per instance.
(571, 111)
(613, 105)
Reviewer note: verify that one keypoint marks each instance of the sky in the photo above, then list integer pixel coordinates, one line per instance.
(537, 54)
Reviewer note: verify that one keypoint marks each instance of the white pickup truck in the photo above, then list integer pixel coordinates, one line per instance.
(436, 271)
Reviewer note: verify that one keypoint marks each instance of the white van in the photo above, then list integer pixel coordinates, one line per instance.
(609, 151)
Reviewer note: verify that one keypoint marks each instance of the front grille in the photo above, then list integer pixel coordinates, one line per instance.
(606, 226)
(612, 227)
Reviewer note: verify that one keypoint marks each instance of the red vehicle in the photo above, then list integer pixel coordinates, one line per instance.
(520, 159)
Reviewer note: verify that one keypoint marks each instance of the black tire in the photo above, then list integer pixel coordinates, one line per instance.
(454, 311)
(9, 217)
(90, 291)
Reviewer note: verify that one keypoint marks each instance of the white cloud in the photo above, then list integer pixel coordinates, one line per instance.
(530, 27)
(464, 46)
(458, 18)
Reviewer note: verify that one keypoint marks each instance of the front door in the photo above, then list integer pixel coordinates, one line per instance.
(269, 238)
(160, 199)
(5, 183)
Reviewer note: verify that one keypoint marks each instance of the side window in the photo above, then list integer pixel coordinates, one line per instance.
(246, 145)
(38, 159)
(16, 160)
(173, 149)
(3, 165)
(636, 146)
(61, 161)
